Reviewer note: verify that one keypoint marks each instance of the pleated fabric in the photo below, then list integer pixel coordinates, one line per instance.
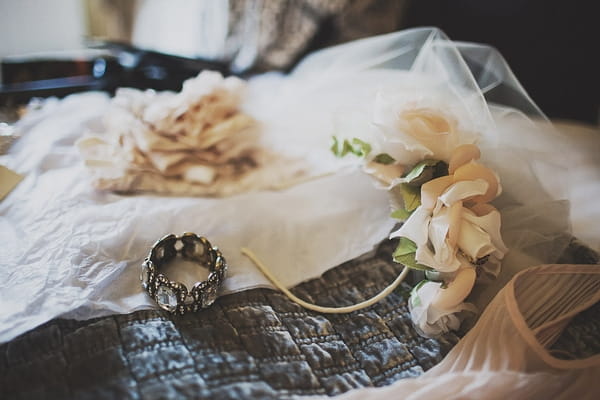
(508, 354)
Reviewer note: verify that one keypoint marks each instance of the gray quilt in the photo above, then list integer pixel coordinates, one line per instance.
(253, 344)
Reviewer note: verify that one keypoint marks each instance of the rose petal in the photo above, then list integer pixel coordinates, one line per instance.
(386, 174)
(438, 230)
(433, 129)
(426, 121)
(444, 261)
(482, 208)
(456, 212)
(464, 190)
(462, 155)
(456, 291)
(431, 190)
(401, 146)
(491, 223)
(474, 171)
(432, 321)
(474, 241)
(415, 227)
(400, 140)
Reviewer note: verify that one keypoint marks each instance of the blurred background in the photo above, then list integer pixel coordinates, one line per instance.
(552, 46)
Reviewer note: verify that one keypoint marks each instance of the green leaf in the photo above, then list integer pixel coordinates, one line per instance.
(357, 147)
(401, 214)
(418, 169)
(411, 196)
(405, 254)
(335, 147)
(405, 246)
(361, 149)
(347, 148)
(421, 173)
(384, 158)
(408, 260)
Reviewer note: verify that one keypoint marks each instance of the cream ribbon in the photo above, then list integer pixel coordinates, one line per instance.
(327, 310)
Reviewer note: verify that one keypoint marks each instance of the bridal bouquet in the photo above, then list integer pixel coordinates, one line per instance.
(425, 158)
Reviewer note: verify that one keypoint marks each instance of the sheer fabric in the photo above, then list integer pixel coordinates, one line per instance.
(507, 354)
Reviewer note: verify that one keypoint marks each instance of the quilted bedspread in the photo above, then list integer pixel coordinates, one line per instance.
(251, 344)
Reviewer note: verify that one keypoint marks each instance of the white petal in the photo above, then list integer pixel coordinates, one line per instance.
(444, 261)
(438, 228)
(474, 241)
(404, 149)
(440, 321)
(400, 145)
(462, 190)
(490, 223)
(426, 257)
(445, 254)
(430, 320)
(426, 293)
(419, 303)
(415, 227)
(456, 291)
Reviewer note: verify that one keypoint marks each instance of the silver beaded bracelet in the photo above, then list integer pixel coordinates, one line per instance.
(175, 297)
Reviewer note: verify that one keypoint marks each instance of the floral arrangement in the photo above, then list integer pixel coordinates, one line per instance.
(442, 193)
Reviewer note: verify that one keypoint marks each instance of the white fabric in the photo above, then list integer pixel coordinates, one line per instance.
(192, 29)
(506, 355)
(68, 250)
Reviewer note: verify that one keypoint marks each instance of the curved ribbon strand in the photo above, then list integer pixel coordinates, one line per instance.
(327, 310)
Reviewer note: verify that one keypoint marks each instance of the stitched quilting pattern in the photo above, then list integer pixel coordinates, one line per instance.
(252, 344)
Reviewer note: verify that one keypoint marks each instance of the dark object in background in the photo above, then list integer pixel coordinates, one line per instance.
(552, 46)
(43, 76)
(115, 65)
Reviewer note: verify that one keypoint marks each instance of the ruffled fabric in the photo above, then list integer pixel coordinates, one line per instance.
(195, 142)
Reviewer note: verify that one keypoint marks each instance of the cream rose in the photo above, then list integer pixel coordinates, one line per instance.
(436, 309)
(413, 131)
(452, 227)
(457, 234)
